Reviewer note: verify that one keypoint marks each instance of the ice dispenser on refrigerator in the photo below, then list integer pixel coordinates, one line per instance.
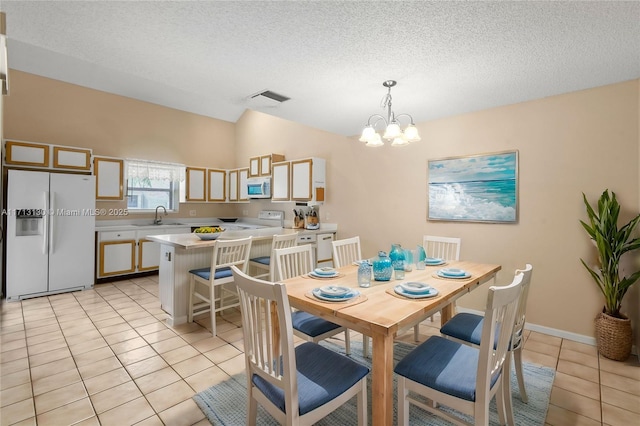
(29, 222)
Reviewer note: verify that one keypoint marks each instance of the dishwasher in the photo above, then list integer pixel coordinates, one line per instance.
(321, 244)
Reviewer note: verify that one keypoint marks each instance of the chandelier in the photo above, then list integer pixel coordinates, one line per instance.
(392, 131)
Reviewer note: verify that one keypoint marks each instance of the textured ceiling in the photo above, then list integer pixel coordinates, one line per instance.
(330, 58)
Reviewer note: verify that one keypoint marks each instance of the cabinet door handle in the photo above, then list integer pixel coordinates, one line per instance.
(168, 256)
(327, 238)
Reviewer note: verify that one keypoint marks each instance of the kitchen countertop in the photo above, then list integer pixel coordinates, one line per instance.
(129, 225)
(191, 241)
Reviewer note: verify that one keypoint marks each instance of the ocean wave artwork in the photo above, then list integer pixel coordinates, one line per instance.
(478, 188)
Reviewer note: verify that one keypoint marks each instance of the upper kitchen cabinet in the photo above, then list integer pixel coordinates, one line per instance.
(39, 155)
(281, 181)
(217, 183)
(243, 175)
(196, 184)
(308, 178)
(109, 178)
(238, 185)
(261, 165)
(71, 158)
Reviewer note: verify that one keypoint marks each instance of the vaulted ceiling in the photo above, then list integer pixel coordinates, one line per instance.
(329, 57)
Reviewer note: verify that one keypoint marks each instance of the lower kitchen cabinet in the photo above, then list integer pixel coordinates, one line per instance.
(324, 249)
(130, 252)
(116, 253)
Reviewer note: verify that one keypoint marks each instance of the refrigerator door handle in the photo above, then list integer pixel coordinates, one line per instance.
(45, 218)
(51, 215)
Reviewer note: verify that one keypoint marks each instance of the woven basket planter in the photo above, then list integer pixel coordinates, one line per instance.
(613, 337)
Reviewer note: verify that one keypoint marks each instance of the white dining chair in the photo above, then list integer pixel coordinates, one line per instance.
(467, 328)
(264, 263)
(346, 251)
(296, 385)
(295, 261)
(211, 289)
(465, 378)
(447, 248)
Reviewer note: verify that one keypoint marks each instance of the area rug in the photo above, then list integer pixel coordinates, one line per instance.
(225, 403)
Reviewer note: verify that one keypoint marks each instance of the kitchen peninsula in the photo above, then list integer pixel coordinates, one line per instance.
(180, 253)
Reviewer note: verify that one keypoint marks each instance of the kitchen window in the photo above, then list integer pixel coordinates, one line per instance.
(151, 184)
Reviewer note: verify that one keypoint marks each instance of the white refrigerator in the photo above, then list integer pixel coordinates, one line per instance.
(50, 245)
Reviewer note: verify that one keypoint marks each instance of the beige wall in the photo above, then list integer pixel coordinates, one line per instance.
(40, 109)
(579, 142)
(585, 141)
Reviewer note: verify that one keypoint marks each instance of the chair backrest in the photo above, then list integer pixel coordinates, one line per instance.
(278, 242)
(265, 311)
(294, 261)
(227, 253)
(518, 327)
(346, 251)
(497, 328)
(446, 248)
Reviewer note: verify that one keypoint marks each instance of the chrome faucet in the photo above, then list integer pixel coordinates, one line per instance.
(156, 220)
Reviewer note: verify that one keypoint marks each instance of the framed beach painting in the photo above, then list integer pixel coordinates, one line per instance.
(475, 188)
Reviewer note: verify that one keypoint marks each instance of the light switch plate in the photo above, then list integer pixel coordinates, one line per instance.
(192, 212)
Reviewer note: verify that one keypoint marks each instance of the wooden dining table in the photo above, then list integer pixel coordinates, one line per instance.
(380, 313)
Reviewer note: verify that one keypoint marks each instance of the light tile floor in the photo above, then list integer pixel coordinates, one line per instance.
(105, 356)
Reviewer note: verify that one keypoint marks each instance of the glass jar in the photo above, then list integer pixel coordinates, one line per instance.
(397, 260)
(364, 274)
(382, 269)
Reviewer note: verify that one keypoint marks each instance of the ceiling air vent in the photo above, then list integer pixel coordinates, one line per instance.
(271, 95)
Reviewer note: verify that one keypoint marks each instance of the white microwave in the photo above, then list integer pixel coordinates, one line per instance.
(259, 187)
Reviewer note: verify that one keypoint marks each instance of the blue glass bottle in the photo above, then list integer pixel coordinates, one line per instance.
(382, 269)
(397, 260)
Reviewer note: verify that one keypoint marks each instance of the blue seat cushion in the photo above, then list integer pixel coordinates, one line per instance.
(311, 325)
(464, 326)
(444, 365)
(205, 273)
(263, 260)
(322, 376)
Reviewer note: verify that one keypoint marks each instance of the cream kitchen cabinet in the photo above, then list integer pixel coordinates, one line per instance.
(196, 184)
(233, 185)
(109, 174)
(129, 252)
(324, 249)
(243, 175)
(116, 253)
(40, 155)
(308, 178)
(281, 181)
(216, 184)
(261, 165)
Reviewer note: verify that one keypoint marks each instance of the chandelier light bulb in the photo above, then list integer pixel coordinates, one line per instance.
(411, 133)
(367, 134)
(392, 131)
(400, 141)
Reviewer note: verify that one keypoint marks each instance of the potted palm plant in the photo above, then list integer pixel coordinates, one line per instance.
(613, 329)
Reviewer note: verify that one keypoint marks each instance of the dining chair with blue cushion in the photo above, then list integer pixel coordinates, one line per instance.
(264, 263)
(215, 292)
(295, 261)
(467, 328)
(462, 377)
(296, 385)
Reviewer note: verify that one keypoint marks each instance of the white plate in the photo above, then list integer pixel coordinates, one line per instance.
(398, 289)
(454, 277)
(353, 293)
(314, 275)
(433, 261)
(334, 291)
(453, 272)
(415, 287)
(325, 271)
